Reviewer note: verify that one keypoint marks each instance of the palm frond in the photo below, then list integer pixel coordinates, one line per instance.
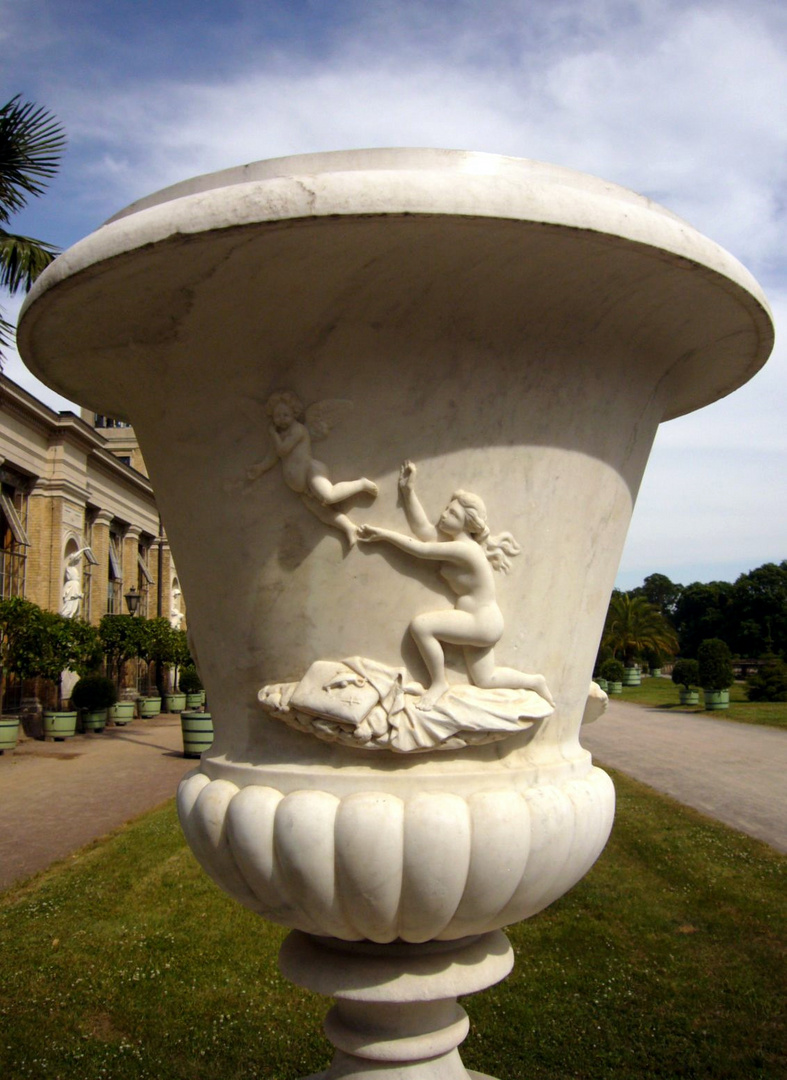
(7, 335)
(31, 145)
(22, 259)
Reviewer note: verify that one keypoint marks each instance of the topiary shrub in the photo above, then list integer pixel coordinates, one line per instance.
(189, 681)
(770, 682)
(686, 673)
(612, 671)
(715, 663)
(94, 692)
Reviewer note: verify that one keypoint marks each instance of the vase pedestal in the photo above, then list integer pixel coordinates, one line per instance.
(396, 1015)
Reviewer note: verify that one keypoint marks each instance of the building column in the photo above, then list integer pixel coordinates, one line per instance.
(100, 576)
(130, 565)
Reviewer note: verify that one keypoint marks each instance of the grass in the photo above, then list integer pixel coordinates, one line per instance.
(663, 694)
(667, 960)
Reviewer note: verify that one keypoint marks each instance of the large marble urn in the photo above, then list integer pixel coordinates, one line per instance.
(396, 406)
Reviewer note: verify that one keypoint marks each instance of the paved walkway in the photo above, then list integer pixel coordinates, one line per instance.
(55, 797)
(736, 773)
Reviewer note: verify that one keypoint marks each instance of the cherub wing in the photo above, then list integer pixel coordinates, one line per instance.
(323, 416)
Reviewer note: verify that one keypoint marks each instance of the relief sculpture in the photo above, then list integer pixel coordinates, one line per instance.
(292, 429)
(372, 705)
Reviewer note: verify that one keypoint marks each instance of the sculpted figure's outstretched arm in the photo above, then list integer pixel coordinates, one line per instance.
(416, 515)
(267, 463)
(445, 550)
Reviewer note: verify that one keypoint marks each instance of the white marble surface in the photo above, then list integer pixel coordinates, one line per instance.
(519, 331)
(396, 1013)
(516, 329)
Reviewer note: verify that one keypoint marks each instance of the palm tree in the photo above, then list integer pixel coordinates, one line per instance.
(633, 626)
(31, 143)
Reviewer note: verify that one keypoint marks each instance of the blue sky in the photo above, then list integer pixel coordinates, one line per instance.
(683, 101)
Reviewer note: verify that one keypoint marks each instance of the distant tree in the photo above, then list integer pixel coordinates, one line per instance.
(759, 612)
(770, 682)
(120, 640)
(661, 592)
(704, 611)
(634, 626)
(19, 625)
(157, 645)
(31, 144)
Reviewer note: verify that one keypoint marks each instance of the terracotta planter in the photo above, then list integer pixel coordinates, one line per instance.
(516, 330)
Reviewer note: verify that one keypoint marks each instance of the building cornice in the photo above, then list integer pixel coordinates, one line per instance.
(68, 427)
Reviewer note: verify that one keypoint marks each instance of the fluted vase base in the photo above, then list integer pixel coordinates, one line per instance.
(396, 1015)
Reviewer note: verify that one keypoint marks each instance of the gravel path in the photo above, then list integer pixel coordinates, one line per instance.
(55, 797)
(736, 773)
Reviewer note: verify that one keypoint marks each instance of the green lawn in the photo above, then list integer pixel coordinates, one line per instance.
(667, 960)
(663, 694)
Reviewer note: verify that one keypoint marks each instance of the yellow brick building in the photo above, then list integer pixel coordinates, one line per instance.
(79, 527)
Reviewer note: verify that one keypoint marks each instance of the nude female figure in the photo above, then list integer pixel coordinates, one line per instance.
(303, 474)
(468, 556)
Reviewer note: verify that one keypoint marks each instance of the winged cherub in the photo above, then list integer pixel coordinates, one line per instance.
(291, 430)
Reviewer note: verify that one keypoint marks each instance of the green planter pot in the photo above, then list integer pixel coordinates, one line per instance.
(59, 725)
(94, 720)
(197, 728)
(716, 699)
(632, 676)
(9, 732)
(175, 702)
(689, 697)
(195, 701)
(602, 684)
(149, 707)
(655, 673)
(614, 687)
(122, 712)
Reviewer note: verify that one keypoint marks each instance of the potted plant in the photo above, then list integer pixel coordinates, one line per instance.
(769, 682)
(156, 646)
(17, 656)
(94, 694)
(716, 674)
(181, 657)
(612, 671)
(655, 660)
(58, 645)
(686, 675)
(191, 686)
(634, 626)
(119, 636)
